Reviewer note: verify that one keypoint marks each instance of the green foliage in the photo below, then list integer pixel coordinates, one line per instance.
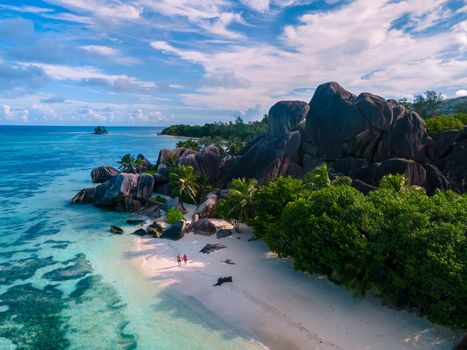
(268, 203)
(438, 124)
(405, 102)
(99, 130)
(182, 182)
(237, 207)
(190, 143)
(318, 177)
(342, 181)
(160, 199)
(429, 104)
(396, 242)
(393, 182)
(234, 146)
(128, 164)
(240, 130)
(174, 214)
(461, 116)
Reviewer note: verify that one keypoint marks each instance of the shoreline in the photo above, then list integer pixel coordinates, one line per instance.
(277, 306)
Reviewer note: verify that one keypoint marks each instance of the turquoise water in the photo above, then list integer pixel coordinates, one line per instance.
(65, 281)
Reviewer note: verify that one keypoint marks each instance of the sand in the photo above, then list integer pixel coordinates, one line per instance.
(277, 306)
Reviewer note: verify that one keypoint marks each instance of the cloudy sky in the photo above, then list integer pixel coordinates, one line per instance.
(157, 62)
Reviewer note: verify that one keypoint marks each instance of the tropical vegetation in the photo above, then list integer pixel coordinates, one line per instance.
(174, 214)
(396, 242)
(237, 207)
(238, 129)
(438, 124)
(183, 183)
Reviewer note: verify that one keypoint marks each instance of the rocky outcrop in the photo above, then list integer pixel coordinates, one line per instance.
(207, 209)
(103, 173)
(123, 192)
(202, 227)
(115, 229)
(209, 248)
(364, 137)
(147, 165)
(269, 155)
(205, 163)
(373, 173)
(175, 231)
(222, 280)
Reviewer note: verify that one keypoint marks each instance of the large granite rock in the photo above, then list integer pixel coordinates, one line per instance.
(207, 209)
(206, 163)
(406, 139)
(285, 116)
(147, 165)
(202, 227)
(373, 173)
(175, 231)
(166, 154)
(442, 143)
(269, 155)
(123, 192)
(103, 173)
(454, 165)
(340, 124)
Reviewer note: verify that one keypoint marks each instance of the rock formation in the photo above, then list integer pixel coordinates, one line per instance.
(123, 192)
(103, 173)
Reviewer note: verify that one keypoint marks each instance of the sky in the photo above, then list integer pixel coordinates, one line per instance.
(160, 62)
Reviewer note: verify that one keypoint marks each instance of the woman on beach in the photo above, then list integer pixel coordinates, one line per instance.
(179, 260)
(185, 258)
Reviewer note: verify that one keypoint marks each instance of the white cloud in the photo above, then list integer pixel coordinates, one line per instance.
(110, 52)
(108, 10)
(461, 93)
(356, 45)
(101, 50)
(257, 5)
(11, 114)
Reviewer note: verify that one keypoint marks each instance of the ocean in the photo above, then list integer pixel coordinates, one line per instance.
(66, 282)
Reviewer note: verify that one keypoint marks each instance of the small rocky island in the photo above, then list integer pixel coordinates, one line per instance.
(100, 130)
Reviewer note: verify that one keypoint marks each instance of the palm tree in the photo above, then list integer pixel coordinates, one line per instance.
(393, 182)
(318, 177)
(127, 164)
(398, 183)
(183, 182)
(139, 165)
(241, 192)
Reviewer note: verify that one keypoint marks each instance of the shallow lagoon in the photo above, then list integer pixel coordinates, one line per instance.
(65, 281)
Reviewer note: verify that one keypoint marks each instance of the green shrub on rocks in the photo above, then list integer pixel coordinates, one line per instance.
(174, 214)
(438, 124)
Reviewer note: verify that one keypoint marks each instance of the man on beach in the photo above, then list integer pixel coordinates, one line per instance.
(179, 260)
(185, 258)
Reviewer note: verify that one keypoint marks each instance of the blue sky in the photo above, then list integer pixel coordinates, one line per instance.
(159, 62)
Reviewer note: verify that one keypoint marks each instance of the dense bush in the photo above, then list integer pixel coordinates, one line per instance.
(233, 130)
(462, 117)
(268, 203)
(438, 124)
(174, 214)
(396, 242)
(192, 144)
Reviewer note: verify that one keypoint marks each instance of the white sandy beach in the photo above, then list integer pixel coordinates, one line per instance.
(279, 307)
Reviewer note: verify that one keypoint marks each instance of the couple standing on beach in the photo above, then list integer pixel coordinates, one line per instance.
(179, 259)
